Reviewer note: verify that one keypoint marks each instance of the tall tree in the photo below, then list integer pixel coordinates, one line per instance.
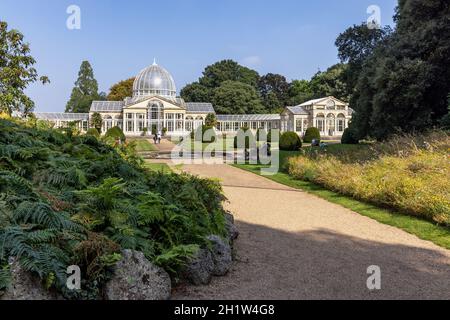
(85, 90)
(274, 90)
(234, 97)
(16, 72)
(121, 90)
(355, 46)
(403, 84)
(445, 121)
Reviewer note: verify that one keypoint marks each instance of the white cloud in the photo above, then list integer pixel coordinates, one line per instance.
(252, 61)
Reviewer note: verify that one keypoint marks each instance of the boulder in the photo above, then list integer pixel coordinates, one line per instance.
(136, 278)
(199, 271)
(221, 254)
(232, 231)
(25, 286)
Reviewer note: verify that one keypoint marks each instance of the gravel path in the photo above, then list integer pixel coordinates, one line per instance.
(294, 245)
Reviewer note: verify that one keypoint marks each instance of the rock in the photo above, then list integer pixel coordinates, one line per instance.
(136, 278)
(25, 286)
(232, 231)
(200, 270)
(221, 254)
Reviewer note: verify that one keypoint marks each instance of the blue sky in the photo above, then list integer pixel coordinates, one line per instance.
(291, 37)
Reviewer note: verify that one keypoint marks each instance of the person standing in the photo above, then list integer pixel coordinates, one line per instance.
(159, 137)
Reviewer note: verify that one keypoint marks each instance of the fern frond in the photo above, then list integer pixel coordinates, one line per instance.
(42, 214)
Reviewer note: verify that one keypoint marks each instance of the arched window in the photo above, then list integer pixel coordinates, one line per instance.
(340, 122)
(189, 123)
(331, 124)
(320, 122)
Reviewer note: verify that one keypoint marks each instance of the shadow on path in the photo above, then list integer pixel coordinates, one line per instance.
(323, 264)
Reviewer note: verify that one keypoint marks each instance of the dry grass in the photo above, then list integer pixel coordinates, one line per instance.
(408, 173)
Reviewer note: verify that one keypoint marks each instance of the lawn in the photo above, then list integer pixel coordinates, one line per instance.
(423, 229)
(143, 145)
(158, 167)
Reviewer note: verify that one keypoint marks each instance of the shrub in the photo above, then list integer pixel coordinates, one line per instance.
(261, 135)
(77, 201)
(199, 134)
(311, 134)
(249, 138)
(115, 133)
(211, 120)
(290, 141)
(349, 137)
(93, 132)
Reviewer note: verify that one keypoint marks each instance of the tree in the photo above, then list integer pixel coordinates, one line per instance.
(16, 72)
(85, 90)
(97, 121)
(330, 83)
(403, 84)
(300, 91)
(228, 70)
(234, 97)
(211, 120)
(445, 122)
(355, 46)
(274, 90)
(195, 92)
(121, 90)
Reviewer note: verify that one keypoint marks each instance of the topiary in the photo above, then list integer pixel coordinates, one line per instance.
(93, 132)
(290, 141)
(261, 135)
(199, 134)
(311, 134)
(249, 138)
(115, 133)
(349, 137)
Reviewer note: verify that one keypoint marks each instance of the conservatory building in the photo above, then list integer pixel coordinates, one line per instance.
(155, 107)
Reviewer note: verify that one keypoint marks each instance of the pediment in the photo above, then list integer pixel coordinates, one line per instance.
(166, 103)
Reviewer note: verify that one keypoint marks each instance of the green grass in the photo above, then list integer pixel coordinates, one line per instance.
(158, 167)
(423, 229)
(143, 145)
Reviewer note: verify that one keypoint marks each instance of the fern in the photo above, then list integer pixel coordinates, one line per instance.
(176, 257)
(5, 277)
(42, 214)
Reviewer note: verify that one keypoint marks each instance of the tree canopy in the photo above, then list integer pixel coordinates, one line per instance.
(274, 90)
(403, 82)
(85, 90)
(16, 71)
(267, 94)
(195, 92)
(234, 97)
(121, 90)
(228, 70)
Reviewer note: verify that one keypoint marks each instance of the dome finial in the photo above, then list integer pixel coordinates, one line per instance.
(154, 62)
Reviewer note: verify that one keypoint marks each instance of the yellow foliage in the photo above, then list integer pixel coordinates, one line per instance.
(414, 179)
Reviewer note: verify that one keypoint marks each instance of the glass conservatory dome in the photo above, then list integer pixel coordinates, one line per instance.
(154, 80)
